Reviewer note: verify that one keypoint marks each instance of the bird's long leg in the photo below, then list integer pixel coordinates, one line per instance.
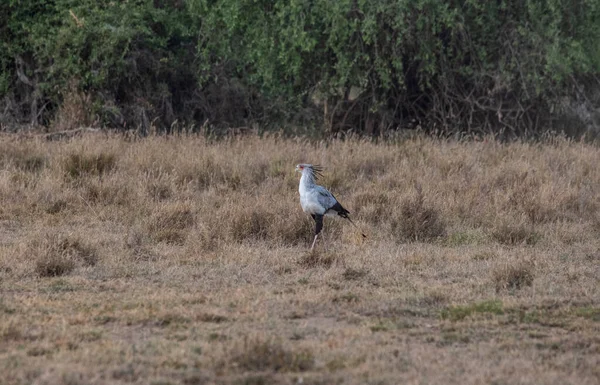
(318, 227)
(314, 242)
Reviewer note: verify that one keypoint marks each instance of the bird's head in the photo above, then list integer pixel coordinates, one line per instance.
(313, 170)
(300, 167)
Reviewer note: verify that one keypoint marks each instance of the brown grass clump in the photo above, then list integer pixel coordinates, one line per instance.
(373, 207)
(511, 233)
(417, 221)
(54, 265)
(315, 258)
(435, 297)
(351, 274)
(76, 109)
(137, 242)
(201, 175)
(252, 223)
(106, 192)
(159, 190)
(171, 223)
(56, 255)
(81, 164)
(295, 229)
(257, 355)
(513, 276)
(277, 222)
(55, 206)
(24, 157)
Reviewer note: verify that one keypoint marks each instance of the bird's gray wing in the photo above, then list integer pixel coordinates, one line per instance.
(326, 199)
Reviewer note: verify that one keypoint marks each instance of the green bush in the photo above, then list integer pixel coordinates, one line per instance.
(513, 66)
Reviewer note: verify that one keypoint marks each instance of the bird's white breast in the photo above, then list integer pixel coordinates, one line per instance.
(309, 197)
(310, 203)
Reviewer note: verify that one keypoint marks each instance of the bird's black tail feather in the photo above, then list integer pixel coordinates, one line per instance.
(355, 225)
(342, 212)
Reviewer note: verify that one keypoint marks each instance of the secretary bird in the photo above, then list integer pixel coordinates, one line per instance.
(317, 200)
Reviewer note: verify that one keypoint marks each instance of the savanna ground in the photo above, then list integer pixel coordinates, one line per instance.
(178, 260)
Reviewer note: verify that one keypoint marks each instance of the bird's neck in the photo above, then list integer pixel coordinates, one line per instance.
(307, 180)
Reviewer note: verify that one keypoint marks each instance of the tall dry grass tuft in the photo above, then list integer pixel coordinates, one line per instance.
(275, 219)
(258, 355)
(251, 223)
(513, 276)
(22, 156)
(417, 221)
(106, 193)
(57, 255)
(171, 223)
(266, 223)
(81, 164)
(515, 231)
(75, 110)
(373, 207)
(315, 258)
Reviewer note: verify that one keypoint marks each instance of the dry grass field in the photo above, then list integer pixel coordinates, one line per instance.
(178, 260)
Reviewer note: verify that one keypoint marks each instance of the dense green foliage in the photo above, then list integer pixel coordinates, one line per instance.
(462, 65)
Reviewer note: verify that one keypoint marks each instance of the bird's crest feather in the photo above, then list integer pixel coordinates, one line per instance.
(317, 171)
